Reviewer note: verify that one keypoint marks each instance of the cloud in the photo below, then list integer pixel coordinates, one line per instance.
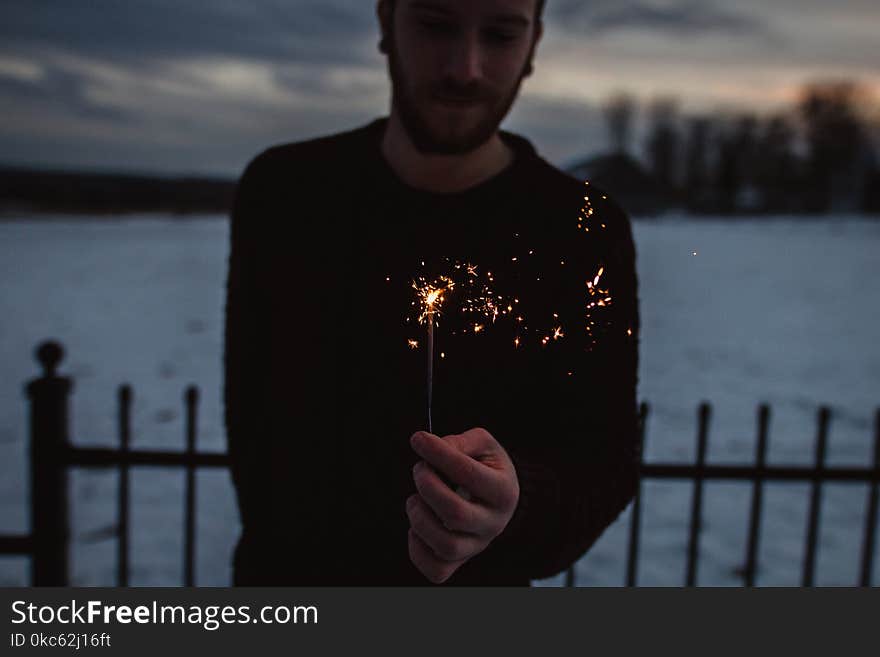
(319, 31)
(59, 87)
(181, 78)
(687, 17)
(17, 68)
(183, 74)
(203, 84)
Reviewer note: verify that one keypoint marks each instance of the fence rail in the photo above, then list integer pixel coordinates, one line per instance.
(52, 455)
(759, 473)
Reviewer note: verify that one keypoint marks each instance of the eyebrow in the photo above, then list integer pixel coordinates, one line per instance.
(510, 19)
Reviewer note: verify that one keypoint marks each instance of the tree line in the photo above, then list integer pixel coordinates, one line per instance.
(815, 156)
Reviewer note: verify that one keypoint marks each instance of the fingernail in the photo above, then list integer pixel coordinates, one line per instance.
(413, 439)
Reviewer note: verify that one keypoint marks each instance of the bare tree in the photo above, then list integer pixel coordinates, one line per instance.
(777, 167)
(663, 141)
(836, 137)
(697, 174)
(619, 111)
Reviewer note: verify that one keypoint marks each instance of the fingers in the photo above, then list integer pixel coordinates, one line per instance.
(446, 545)
(445, 454)
(453, 512)
(476, 442)
(434, 569)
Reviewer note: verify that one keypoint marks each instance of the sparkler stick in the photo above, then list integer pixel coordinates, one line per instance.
(430, 367)
(431, 296)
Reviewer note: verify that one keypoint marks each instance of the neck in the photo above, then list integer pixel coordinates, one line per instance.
(442, 173)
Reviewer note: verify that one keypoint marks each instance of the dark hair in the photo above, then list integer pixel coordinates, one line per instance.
(383, 42)
(539, 8)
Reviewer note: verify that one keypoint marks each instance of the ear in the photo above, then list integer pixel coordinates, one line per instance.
(384, 14)
(539, 32)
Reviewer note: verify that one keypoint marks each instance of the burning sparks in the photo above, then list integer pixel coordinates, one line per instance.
(597, 295)
(586, 212)
(467, 294)
(470, 294)
(430, 296)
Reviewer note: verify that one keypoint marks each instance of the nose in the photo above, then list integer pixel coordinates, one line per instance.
(465, 64)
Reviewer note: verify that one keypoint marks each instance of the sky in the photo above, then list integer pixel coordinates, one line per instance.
(200, 86)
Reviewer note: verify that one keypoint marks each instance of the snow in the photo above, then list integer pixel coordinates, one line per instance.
(784, 311)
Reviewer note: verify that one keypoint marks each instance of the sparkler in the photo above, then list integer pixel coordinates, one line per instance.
(430, 297)
(478, 298)
(479, 301)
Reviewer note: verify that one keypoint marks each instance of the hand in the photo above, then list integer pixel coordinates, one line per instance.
(446, 528)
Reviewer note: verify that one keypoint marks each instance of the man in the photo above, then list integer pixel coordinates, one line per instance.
(334, 242)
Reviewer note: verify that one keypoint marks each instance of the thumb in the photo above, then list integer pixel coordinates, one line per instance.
(477, 443)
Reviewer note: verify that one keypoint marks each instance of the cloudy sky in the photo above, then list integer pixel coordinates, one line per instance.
(199, 86)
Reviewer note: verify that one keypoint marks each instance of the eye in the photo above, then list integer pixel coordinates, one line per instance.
(436, 27)
(500, 37)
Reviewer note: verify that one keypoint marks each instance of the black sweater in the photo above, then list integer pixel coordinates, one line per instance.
(325, 359)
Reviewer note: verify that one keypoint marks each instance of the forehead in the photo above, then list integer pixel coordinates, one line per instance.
(482, 9)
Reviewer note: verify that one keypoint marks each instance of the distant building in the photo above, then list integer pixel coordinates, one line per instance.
(848, 185)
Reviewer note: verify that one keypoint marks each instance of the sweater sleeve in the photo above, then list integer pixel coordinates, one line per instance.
(272, 411)
(581, 472)
(245, 346)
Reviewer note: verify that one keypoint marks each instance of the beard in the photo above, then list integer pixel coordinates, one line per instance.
(457, 137)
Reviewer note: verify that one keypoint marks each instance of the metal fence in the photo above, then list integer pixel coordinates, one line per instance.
(758, 473)
(52, 454)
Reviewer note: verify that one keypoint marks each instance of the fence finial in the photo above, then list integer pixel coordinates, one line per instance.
(49, 354)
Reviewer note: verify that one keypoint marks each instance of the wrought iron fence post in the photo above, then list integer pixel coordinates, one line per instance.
(48, 398)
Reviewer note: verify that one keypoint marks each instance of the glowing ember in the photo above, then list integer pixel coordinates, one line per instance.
(597, 295)
(472, 297)
(430, 296)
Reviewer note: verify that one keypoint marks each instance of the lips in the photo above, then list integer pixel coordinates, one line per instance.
(456, 102)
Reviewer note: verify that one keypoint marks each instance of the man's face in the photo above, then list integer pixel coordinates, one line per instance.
(456, 68)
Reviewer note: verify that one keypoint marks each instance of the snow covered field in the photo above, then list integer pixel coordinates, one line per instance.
(785, 311)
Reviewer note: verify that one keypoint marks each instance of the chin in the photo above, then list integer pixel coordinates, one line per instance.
(466, 135)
